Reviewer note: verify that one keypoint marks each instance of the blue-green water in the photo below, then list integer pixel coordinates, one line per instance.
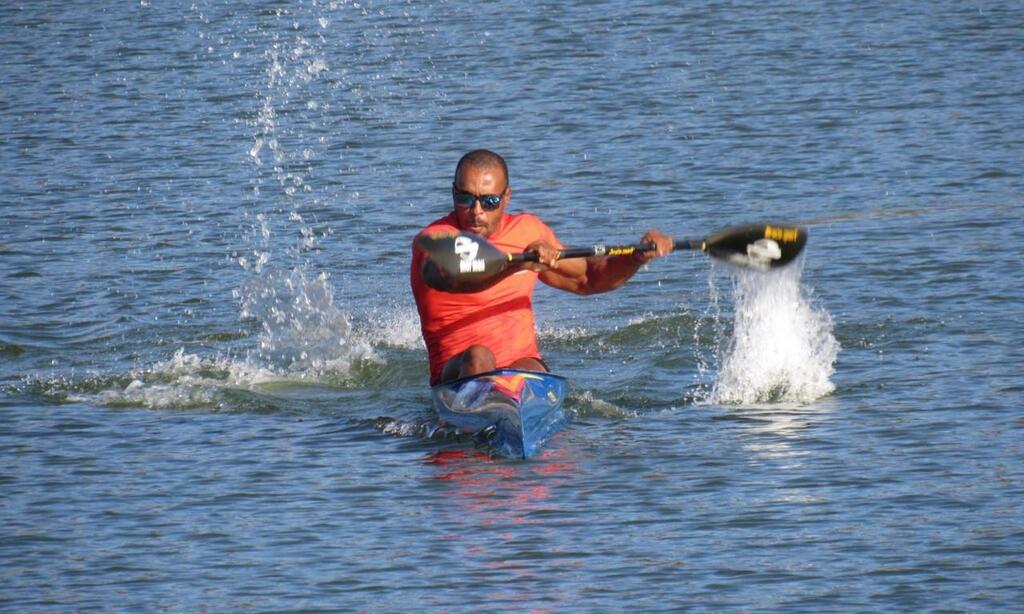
(212, 387)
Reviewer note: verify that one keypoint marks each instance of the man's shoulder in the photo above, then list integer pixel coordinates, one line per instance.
(442, 223)
(523, 221)
(521, 229)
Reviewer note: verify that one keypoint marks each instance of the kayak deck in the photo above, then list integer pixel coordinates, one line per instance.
(517, 412)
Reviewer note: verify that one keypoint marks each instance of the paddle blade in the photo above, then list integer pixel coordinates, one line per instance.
(757, 246)
(460, 262)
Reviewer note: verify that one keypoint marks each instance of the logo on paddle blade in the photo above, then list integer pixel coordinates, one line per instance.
(760, 255)
(466, 249)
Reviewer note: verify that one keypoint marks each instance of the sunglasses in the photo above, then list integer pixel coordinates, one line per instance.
(465, 200)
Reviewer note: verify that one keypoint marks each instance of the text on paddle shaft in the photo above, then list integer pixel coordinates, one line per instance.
(601, 250)
(620, 251)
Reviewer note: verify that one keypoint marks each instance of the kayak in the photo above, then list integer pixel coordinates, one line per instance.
(514, 412)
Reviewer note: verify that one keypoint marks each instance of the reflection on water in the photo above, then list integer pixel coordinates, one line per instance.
(777, 429)
(502, 516)
(497, 491)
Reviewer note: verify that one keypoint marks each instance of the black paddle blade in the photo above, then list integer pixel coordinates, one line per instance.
(757, 246)
(460, 262)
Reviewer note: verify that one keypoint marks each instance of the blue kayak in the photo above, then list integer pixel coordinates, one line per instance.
(515, 412)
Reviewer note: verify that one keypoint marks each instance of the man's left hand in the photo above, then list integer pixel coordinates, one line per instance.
(662, 245)
(547, 256)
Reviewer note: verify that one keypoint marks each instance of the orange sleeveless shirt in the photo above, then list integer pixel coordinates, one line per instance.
(499, 318)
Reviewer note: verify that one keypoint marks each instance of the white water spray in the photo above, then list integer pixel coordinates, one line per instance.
(782, 348)
(303, 332)
(307, 331)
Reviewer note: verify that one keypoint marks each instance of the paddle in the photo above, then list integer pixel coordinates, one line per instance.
(465, 262)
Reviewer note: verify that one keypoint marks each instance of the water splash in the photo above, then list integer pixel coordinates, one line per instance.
(558, 332)
(303, 331)
(708, 329)
(184, 381)
(781, 349)
(584, 403)
(392, 326)
(293, 139)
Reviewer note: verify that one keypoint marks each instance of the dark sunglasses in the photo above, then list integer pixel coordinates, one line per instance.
(465, 200)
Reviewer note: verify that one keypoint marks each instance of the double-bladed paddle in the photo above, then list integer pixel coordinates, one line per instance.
(466, 262)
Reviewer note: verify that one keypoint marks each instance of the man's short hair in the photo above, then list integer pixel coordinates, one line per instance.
(481, 158)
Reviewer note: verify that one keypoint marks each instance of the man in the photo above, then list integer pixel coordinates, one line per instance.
(477, 332)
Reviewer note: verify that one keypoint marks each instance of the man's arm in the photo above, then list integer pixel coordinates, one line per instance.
(595, 275)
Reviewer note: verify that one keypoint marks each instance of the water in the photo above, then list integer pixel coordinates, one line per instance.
(211, 379)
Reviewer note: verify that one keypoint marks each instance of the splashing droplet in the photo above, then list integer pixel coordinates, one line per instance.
(782, 348)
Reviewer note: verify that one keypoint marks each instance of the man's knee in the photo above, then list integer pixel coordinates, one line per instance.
(530, 364)
(478, 358)
(473, 360)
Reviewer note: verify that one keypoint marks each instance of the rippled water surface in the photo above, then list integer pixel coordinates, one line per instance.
(212, 387)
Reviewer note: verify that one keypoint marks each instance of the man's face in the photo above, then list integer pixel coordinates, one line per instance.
(479, 181)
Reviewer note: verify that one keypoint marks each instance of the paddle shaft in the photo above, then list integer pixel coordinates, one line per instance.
(604, 251)
(465, 262)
